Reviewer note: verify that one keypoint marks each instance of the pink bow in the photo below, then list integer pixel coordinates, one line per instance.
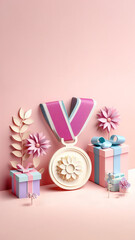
(24, 170)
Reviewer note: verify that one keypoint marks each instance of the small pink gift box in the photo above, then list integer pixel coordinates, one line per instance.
(113, 160)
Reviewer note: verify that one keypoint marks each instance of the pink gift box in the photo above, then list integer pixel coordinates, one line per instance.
(113, 160)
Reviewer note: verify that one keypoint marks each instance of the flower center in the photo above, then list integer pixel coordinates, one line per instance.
(37, 145)
(108, 119)
(70, 168)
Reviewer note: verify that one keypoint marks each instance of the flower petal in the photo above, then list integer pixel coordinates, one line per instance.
(115, 120)
(104, 113)
(45, 146)
(35, 154)
(77, 172)
(63, 172)
(62, 166)
(29, 145)
(101, 125)
(114, 113)
(78, 168)
(69, 160)
(45, 141)
(106, 125)
(38, 151)
(113, 125)
(35, 149)
(74, 162)
(109, 112)
(31, 141)
(103, 120)
(35, 137)
(64, 161)
(42, 140)
(40, 135)
(68, 176)
(30, 152)
(109, 127)
(31, 148)
(43, 152)
(31, 136)
(73, 176)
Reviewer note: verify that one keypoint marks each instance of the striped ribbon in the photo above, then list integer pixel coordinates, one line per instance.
(29, 183)
(64, 126)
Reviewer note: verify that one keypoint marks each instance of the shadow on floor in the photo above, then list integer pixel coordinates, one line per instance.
(53, 187)
(26, 204)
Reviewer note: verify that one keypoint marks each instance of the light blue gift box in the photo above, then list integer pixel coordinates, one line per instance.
(116, 178)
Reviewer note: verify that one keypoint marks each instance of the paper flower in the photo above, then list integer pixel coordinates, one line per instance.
(124, 184)
(108, 118)
(69, 168)
(37, 144)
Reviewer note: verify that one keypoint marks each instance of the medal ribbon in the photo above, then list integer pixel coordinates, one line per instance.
(68, 127)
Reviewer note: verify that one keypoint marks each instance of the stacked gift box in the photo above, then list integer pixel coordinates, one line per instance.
(113, 160)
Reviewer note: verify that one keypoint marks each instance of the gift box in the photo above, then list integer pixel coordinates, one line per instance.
(25, 183)
(113, 160)
(116, 178)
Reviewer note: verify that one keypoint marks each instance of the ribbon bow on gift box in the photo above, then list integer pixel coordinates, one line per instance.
(103, 143)
(24, 170)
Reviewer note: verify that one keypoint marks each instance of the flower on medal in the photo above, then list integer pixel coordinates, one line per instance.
(37, 144)
(69, 168)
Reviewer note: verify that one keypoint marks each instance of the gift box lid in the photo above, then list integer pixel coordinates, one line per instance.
(108, 152)
(23, 177)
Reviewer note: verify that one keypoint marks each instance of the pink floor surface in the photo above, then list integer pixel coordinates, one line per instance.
(83, 214)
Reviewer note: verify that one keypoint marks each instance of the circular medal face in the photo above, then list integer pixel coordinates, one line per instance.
(70, 168)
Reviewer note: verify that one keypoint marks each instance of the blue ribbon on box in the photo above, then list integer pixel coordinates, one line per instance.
(115, 140)
(102, 143)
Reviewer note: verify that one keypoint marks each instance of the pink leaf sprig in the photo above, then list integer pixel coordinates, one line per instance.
(108, 118)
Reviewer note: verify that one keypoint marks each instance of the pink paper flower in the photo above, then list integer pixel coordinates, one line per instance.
(37, 144)
(108, 118)
(124, 184)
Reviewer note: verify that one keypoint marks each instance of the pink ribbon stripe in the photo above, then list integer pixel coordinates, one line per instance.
(64, 126)
(30, 180)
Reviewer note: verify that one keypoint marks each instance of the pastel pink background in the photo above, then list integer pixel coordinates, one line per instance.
(53, 50)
